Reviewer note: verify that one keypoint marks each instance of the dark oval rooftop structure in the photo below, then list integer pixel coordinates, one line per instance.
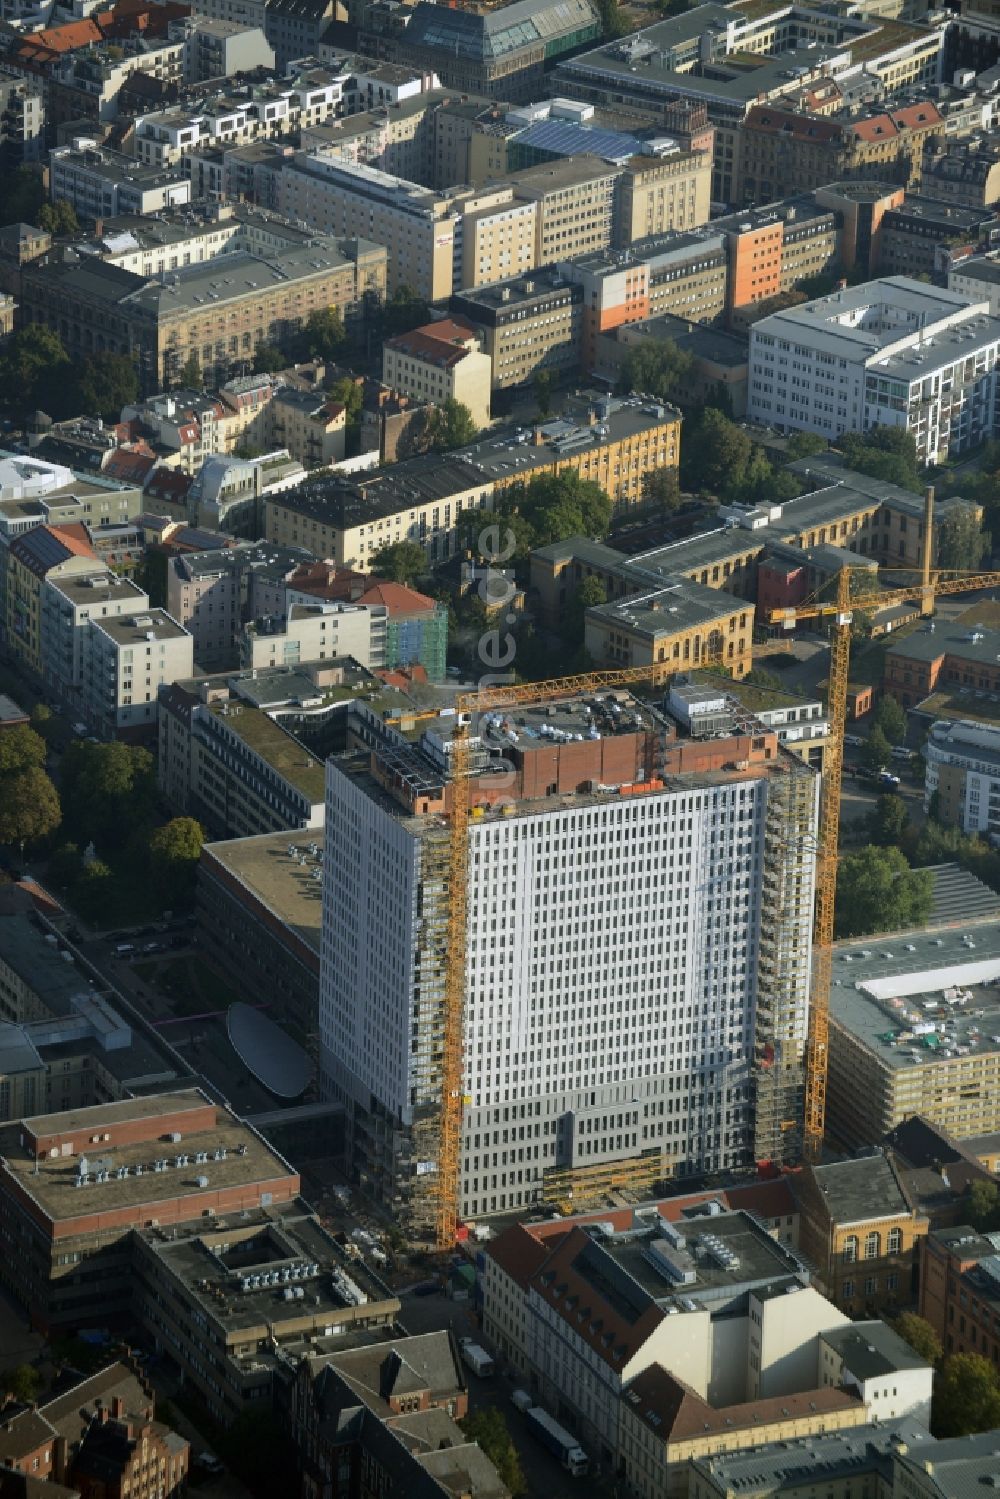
(268, 1052)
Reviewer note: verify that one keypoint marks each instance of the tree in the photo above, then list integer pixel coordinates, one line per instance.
(982, 1206)
(715, 454)
(404, 311)
(585, 596)
(920, 1335)
(105, 384)
(174, 851)
(561, 505)
(268, 360)
(805, 445)
(22, 1384)
(92, 891)
(658, 367)
(488, 1427)
(890, 717)
(888, 453)
(65, 866)
(961, 542)
(543, 383)
(877, 751)
(109, 791)
(189, 374)
(877, 891)
(29, 806)
(661, 491)
(888, 820)
(324, 333)
(35, 371)
(58, 218)
(450, 426)
(20, 747)
(966, 1397)
(22, 197)
(402, 561)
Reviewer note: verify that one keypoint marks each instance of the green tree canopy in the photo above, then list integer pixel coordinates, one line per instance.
(449, 426)
(966, 1396)
(92, 891)
(29, 806)
(561, 505)
(887, 821)
(267, 360)
(402, 561)
(920, 1335)
(714, 453)
(961, 541)
(982, 1206)
(588, 593)
(888, 453)
(805, 444)
(65, 866)
(105, 383)
(661, 491)
(658, 367)
(324, 332)
(543, 384)
(110, 790)
(189, 374)
(20, 747)
(23, 197)
(877, 751)
(890, 717)
(877, 891)
(404, 311)
(22, 1384)
(488, 1427)
(174, 852)
(35, 371)
(58, 218)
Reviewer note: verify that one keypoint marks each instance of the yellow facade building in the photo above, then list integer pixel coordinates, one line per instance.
(43, 552)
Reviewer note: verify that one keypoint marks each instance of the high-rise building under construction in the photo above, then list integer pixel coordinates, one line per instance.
(637, 946)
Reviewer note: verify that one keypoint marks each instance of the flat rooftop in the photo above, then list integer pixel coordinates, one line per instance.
(39, 964)
(139, 629)
(276, 877)
(857, 322)
(275, 745)
(240, 1274)
(51, 1184)
(98, 588)
(813, 1460)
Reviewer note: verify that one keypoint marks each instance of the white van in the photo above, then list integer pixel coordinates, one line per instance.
(902, 753)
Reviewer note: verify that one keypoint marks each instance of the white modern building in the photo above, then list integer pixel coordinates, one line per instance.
(892, 352)
(637, 948)
(70, 607)
(125, 661)
(962, 760)
(871, 1359)
(315, 632)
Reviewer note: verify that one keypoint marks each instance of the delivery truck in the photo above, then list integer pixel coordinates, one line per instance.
(566, 1448)
(476, 1359)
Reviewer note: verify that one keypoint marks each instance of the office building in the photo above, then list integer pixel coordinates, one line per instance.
(928, 237)
(891, 352)
(963, 775)
(442, 361)
(861, 1233)
(74, 1185)
(502, 54)
(260, 1287)
(587, 1102)
(97, 181)
(903, 1036)
(526, 325)
(872, 1359)
(259, 906)
(217, 314)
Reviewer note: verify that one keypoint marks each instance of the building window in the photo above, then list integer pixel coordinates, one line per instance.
(871, 1285)
(847, 1290)
(895, 1241)
(850, 1249)
(873, 1244)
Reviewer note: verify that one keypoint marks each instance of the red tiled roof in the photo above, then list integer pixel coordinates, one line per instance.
(520, 1251)
(596, 1321)
(432, 350)
(398, 599)
(788, 122)
(878, 128)
(677, 1413)
(447, 330)
(130, 465)
(61, 39)
(168, 484)
(912, 115)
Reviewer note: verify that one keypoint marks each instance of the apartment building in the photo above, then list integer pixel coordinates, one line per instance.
(314, 631)
(979, 280)
(891, 352)
(217, 49)
(439, 362)
(891, 1055)
(70, 606)
(37, 554)
(69, 1183)
(125, 661)
(862, 1234)
(898, 1459)
(525, 324)
(237, 117)
(959, 1290)
(703, 1306)
(311, 426)
(686, 1109)
(928, 237)
(215, 593)
(217, 314)
(97, 181)
(963, 775)
(782, 151)
(22, 121)
(348, 519)
(965, 173)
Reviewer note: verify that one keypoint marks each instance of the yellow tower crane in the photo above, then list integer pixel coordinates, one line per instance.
(839, 612)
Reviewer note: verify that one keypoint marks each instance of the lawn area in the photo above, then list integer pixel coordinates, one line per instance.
(191, 983)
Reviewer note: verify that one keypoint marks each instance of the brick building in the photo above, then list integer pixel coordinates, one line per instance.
(960, 1291)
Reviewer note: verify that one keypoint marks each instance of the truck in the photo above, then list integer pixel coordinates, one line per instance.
(476, 1359)
(558, 1440)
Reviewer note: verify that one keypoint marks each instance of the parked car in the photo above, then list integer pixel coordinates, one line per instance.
(902, 753)
(854, 741)
(888, 780)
